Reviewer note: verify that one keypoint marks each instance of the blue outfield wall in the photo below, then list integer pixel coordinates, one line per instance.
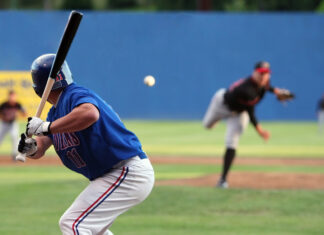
(191, 55)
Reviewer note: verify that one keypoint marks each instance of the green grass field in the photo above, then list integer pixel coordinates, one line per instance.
(33, 198)
(191, 139)
(288, 139)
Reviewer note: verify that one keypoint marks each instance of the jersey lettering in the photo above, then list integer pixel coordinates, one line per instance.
(63, 141)
(74, 157)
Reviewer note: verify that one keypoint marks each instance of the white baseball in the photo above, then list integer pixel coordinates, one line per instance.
(149, 80)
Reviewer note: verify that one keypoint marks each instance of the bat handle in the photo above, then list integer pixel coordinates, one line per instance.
(21, 157)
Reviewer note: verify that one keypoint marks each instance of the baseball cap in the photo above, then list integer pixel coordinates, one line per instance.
(262, 67)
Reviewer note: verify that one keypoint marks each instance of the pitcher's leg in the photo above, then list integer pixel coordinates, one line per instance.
(216, 110)
(321, 121)
(235, 127)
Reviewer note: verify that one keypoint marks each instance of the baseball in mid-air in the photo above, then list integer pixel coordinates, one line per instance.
(149, 80)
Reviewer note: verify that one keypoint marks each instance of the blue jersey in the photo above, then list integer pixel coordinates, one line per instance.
(93, 151)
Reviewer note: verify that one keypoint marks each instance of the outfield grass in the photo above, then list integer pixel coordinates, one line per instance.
(288, 139)
(33, 199)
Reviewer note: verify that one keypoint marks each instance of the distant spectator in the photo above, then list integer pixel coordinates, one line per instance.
(8, 114)
(320, 114)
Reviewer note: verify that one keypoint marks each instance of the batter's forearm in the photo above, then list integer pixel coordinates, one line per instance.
(79, 119)
(43, 143)
(37, 155)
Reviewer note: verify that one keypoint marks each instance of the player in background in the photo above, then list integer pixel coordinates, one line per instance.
(8, 115)
(236, 105)
(320, 114)
(90, 139)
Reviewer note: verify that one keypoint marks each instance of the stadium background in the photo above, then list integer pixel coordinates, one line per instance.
(191, 55)
(192, 47)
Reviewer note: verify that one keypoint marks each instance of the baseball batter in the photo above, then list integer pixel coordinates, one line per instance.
(237, 105)
(90, 139)
(8, 115)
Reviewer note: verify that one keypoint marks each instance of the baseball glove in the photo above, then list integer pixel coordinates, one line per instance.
(285, 95)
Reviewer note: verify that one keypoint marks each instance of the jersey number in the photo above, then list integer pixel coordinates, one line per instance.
(75, 158)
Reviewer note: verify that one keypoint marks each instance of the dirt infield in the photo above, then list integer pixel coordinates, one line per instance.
(253, 180)
(240, 161)
(256, 181)
(7, 161)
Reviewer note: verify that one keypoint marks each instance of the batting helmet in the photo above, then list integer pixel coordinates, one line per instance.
(40, 70)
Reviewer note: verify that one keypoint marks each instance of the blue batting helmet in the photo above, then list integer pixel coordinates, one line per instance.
(40, 70)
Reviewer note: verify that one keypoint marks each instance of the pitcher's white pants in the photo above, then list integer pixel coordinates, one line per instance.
(12, 129)
(236, 122)
(106, 197)
(321, 121)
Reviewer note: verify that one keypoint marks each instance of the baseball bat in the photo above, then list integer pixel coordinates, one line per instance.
(70, 30)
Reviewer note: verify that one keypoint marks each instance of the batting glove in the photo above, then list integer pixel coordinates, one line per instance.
(37, 126)
(27, 145)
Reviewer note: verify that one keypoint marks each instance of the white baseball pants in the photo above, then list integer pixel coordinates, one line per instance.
(106, 197)
(12, 129)
(236, 122)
